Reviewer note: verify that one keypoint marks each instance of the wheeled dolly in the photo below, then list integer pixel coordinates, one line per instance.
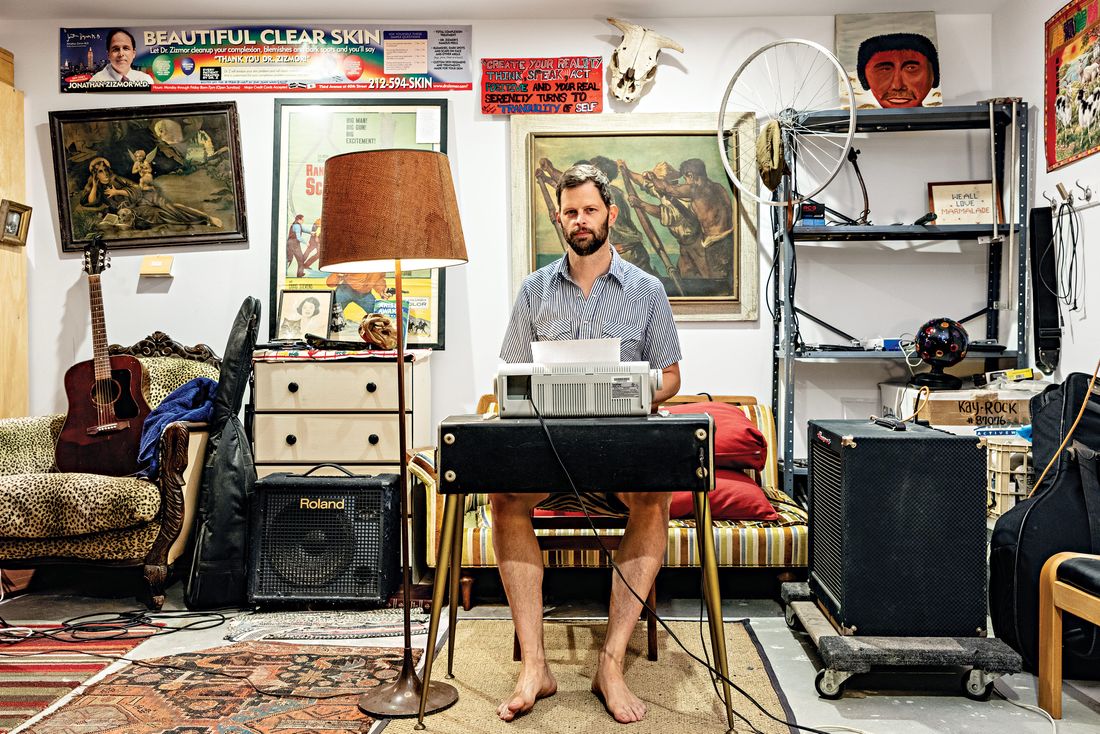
(985, 658)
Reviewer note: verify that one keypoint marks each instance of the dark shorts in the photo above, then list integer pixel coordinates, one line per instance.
(596, 503)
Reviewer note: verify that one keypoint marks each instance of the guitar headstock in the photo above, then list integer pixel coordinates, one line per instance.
(96, 259)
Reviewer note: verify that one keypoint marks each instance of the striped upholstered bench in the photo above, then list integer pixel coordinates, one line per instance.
(778, 544)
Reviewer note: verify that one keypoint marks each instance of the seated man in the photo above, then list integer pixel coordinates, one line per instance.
(590, 293)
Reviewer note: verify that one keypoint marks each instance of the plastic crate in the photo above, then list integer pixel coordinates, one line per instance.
(1009, 472)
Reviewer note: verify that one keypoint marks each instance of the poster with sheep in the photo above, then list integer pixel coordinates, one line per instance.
(1071, 90)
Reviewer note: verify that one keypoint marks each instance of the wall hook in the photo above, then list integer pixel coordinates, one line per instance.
(1049, 198)
(1086, 191)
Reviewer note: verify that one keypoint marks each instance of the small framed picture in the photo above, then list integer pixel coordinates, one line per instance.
(15, 220)
(963, 202)
(303, 312)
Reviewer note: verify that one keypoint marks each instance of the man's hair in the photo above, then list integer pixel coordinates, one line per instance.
(581, 173)
(115, 31)
(694, 166)
(897, 42)
(607, 166)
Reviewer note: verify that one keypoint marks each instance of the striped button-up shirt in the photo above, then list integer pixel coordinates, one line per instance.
(625, 302)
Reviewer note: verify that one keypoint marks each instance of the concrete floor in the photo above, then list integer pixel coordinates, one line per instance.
(899, 704)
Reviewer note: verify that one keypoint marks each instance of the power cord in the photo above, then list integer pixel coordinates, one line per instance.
(1069, 434)
(1028, 707)
(715, 673)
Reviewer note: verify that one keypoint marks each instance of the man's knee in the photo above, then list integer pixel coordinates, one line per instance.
(657, 502)
(506, 503)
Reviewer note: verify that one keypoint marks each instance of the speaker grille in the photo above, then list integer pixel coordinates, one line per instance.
(315, 545)
(827, 493)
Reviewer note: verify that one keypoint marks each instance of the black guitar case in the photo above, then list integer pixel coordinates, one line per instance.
(219, 573)
(1063, 515)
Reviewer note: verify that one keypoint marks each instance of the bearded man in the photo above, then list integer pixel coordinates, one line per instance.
(591, 292)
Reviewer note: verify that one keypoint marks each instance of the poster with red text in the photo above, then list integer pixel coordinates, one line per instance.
(543, 86)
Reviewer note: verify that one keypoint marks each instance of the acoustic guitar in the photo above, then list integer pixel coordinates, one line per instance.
(107, 396)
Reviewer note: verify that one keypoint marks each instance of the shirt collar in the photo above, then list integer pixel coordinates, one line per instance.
(617, 269)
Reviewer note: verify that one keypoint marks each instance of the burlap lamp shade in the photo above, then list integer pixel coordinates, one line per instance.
(381, 206)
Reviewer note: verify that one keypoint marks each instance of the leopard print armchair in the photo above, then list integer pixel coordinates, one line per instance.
(48, 516)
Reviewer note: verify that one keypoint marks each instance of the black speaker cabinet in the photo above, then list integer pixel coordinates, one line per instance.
(898, 529)
(324, 539)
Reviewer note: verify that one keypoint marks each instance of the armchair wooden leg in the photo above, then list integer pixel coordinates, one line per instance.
(467, 585)
(155, 578)
(1050, 643)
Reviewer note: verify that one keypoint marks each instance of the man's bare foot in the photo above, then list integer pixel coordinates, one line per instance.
(610, 687)
(535, 681)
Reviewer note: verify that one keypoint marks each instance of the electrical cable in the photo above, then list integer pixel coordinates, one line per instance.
(1069, 434)
(1067, 274)
(1028, 707)
(645, 605)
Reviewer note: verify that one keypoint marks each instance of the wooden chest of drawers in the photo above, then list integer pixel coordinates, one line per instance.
(313, 412)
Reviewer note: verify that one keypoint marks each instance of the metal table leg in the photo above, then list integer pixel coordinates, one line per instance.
(455, 573)
(442, 568)
(708, 563)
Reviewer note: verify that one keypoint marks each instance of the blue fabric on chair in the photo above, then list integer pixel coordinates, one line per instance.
(192, 401)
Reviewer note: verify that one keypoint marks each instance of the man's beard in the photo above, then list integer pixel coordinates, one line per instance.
(598, 237)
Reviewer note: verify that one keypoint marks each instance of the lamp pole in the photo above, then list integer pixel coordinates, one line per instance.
(402, 696)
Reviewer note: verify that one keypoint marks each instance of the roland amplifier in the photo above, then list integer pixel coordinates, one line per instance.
(324, 539)
(898, 529)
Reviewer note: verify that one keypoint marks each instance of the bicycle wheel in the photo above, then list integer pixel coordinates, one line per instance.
(789, 83)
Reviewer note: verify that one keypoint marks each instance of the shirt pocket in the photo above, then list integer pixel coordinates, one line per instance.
(629, 334)
(553, 329)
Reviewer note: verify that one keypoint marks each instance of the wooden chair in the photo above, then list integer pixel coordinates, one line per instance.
(587, 541)
(1070, 582)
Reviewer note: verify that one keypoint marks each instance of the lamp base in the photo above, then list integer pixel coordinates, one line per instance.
(401, 698)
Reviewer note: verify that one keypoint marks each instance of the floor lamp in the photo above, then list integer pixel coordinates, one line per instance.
(386, 210)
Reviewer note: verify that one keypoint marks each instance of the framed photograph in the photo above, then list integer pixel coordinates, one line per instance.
(963, 202)
(304, 312)
(15, 220)
(153, 176)
(307, 133)
(679, 216)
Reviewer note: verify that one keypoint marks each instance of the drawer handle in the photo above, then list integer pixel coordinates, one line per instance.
(291, 439)
(293, 387)
(371, 387)
(372, 439)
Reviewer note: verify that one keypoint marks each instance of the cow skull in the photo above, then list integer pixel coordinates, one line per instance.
(634, 61)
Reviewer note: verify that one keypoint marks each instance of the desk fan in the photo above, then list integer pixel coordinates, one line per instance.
(767, 122)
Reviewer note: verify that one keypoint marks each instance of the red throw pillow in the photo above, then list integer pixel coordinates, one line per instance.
(738, 443)
(735, 497)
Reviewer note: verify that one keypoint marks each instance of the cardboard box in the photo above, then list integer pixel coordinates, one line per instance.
(962, 411)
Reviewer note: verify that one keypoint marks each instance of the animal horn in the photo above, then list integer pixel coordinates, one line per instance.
(622, 25)
(666, 42)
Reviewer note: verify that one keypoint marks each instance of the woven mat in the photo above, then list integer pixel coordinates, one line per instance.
(677, 690)
(35, 673)
(325, 680)
(332, 625)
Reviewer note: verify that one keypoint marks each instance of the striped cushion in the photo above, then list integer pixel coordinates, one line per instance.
(782, 543)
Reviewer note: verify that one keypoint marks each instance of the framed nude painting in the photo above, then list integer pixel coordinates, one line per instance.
(149, 176)
(679, 217)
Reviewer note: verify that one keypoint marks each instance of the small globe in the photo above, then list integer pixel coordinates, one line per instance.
(941, 343)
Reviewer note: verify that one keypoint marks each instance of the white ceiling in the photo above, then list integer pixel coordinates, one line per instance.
(425, 10)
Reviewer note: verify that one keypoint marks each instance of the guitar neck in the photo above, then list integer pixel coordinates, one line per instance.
(99, 331)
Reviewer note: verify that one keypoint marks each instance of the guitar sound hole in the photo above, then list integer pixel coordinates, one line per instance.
(116, 391)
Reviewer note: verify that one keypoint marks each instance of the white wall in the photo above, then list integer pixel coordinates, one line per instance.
(862, 288)
(1018, 69)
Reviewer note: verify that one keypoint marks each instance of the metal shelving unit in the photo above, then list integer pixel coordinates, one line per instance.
(789, 234)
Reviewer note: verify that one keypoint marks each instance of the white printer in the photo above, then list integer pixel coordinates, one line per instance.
(576, 389)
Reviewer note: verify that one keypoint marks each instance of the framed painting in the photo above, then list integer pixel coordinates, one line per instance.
(679, 217)
(149, 176)
(307, 133)
(963, 202)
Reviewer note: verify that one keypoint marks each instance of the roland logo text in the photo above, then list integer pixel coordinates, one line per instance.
(305, 503)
